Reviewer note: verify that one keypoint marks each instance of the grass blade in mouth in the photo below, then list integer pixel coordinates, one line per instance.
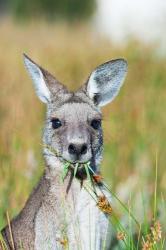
(87, 171)
(75, 169)
(65, 170)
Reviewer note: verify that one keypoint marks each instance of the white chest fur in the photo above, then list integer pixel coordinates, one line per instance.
(77, 217)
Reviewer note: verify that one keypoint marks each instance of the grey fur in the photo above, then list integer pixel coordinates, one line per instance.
(40, 223)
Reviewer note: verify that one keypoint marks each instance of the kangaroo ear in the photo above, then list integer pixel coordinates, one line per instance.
(45, 84)
(105, 81)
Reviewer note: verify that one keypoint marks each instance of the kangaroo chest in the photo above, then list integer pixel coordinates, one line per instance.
(73, 219)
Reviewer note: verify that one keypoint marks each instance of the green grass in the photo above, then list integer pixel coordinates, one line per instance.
(134, 124)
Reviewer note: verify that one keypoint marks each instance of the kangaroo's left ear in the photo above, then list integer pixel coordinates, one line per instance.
(105, 81)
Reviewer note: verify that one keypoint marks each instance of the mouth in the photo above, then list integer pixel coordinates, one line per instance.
(74, 162)
(80, 170)
(78, 164)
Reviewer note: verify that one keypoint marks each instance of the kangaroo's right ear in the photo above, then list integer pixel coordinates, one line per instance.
(45, 84)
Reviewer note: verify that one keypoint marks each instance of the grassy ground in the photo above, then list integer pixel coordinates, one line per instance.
(134, 124)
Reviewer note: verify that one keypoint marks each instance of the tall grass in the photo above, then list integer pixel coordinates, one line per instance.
(134, 124)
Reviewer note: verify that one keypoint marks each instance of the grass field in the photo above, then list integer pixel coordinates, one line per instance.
(134, 124)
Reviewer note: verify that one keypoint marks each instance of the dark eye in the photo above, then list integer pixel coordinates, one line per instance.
(56, 123)
(96, 123)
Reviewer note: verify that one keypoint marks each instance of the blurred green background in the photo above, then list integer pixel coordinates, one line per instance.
(59, 36)
(69, 10)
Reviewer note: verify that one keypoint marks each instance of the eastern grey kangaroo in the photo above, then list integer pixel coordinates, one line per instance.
(57, 210)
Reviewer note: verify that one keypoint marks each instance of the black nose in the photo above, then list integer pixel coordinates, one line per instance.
(77, 149)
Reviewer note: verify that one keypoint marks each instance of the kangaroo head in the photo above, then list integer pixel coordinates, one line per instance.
(74, 122)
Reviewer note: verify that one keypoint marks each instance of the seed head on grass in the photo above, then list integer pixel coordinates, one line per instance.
(147, 245)
(97, 178)
(153, 237)
(64, 242)
(156, 231)
(104, 205)
(121, 236)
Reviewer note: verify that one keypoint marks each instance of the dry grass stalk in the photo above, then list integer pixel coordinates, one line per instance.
(10, 230)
